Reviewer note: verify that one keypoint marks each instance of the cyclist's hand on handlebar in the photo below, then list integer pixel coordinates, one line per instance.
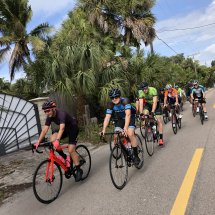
(56, 144)
(125, 132)
(152, 114)
(36, 145)
(102, 134)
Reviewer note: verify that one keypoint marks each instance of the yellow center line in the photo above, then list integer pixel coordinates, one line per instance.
(182, 198)
(214, 106)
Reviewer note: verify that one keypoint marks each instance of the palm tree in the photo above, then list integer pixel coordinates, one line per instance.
(4, 86)
(15, 15)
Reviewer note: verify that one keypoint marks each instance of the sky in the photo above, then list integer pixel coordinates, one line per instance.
(170, 15)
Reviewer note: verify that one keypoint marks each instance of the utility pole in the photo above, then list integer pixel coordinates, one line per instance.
(194, 61)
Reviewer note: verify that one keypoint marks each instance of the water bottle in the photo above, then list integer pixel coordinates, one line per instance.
(154, 129)
(129, 147)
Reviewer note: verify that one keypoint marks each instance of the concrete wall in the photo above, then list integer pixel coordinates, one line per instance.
(39, 102)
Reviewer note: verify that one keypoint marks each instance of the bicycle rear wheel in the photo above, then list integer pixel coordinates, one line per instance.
(142, 130)
(174, 125)
(118, 167)
(140, 151)
(44, 190)
(149, 141)
(84, 159)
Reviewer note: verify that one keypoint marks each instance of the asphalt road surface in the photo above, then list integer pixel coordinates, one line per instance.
(152, 190)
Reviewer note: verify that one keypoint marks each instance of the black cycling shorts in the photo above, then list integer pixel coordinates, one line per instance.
(121, 123)
(171, 104)
(148, 107)
(71, 131)
(201, 100)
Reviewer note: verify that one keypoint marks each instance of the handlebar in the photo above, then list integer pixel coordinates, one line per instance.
(46, 144)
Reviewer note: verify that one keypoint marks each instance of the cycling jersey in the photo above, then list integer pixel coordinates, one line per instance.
(198, 93)
(171, 95)
(149, 97)
(137, 99)
(120, 109)
(61, 117)
(161, 97)
(179, 91)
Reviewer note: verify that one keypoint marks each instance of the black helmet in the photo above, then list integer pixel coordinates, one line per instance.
(190, 85)
(143, 84)
(161, 89)
(192, 81)
(114, 92)
(48, 104)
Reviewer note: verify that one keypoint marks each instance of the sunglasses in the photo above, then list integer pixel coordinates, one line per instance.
(195, 84)
(48, 110)
(115, 97)
(145, 88)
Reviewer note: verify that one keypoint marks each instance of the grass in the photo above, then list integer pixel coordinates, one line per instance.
(1, 193)
(2, 183)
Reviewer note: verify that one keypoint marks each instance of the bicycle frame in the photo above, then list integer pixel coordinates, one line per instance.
(53, 157)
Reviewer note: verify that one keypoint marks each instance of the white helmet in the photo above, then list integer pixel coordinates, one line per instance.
(195, 82)
(168, 86)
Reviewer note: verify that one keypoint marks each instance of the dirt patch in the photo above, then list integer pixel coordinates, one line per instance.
(8, 191)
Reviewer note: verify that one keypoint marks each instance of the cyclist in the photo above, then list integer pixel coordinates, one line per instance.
(188, 90)
(126, 118)
(180, 97)
(68, 127)
(172, 95)
(152, 105)
(161, 97)
(198, 95)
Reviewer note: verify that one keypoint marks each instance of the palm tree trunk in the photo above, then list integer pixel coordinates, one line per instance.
(151, 47)
(128, 36)
(80, 102)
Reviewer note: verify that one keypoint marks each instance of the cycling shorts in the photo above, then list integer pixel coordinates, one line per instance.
(121, 123)
(158, 111)
(201, 100)
(71, 132)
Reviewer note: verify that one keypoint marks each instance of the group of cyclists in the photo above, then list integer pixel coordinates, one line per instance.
(148, 102)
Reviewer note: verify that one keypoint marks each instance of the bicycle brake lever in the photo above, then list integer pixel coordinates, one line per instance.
(40, 152)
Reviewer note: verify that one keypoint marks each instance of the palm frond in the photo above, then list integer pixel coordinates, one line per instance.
(36, 42)
(3, 53)
(42, 29)
(6, 40)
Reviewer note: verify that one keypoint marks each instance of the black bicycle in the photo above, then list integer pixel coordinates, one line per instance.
(151, 133)
(166, 116)
(112, 140)
(201, 111)
(176, 120)
(121, 158)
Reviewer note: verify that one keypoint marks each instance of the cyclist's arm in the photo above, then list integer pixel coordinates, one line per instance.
(191, 96)
(141, 105)
(106, 122)
(61, 130)
(165, 100)
(137, 104)
(176, 97)
(127, 118)
(155, 100)
(43, 133)
(203, 95)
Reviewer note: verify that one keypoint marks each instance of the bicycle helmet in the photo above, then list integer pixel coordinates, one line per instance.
(168, 86)
(144, 84)
(195, 82)
(48, 104)
(161, 89)
(176, 86)
(192, 81)
(190, 85)
(114, 92)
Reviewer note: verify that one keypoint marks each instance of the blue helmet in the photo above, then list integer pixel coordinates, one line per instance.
(114, 92)
(176, 86)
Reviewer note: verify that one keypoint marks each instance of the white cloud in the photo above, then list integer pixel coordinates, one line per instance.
(50, 7)
(58, 24)
(200, 37)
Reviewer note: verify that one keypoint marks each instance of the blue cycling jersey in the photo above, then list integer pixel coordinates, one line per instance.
(120, 109)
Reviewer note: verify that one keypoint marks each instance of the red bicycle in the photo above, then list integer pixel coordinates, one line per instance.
(47, 181)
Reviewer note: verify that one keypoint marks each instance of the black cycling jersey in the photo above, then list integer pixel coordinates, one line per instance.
(188, 91)
(61, 117)
(120, 109)
(161, 97)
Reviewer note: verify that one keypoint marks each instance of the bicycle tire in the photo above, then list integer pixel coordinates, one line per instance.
(149, 141)
(48, 184)
(111, 142)
(84, 159)
(194, 111)
(201, 115)
(142, 129)
(165, 116)
(174, 128)
(140, 151)
(118, 164)
(179, 123)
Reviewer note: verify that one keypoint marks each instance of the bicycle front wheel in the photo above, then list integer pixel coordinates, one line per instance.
(140, 151)
(118, 167)
(194, 111)
(165, 116)
(84, 159)
(46, 191)
(149, 141)
(174, 125)
(142, 127)
(201, 115)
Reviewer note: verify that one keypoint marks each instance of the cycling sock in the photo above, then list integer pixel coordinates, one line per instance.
(62, 154)
(205, 113)
(135, 151)
(78, 168)
(161, 136)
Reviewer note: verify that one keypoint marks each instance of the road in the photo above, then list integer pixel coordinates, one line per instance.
(152, 190)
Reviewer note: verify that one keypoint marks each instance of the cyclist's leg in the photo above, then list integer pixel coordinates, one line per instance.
(119, 125)
(160, 125)
(131, 130)
(146, 110)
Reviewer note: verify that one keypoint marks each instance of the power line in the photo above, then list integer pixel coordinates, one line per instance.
(179, 23)
(187, 28)
(166, 44)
